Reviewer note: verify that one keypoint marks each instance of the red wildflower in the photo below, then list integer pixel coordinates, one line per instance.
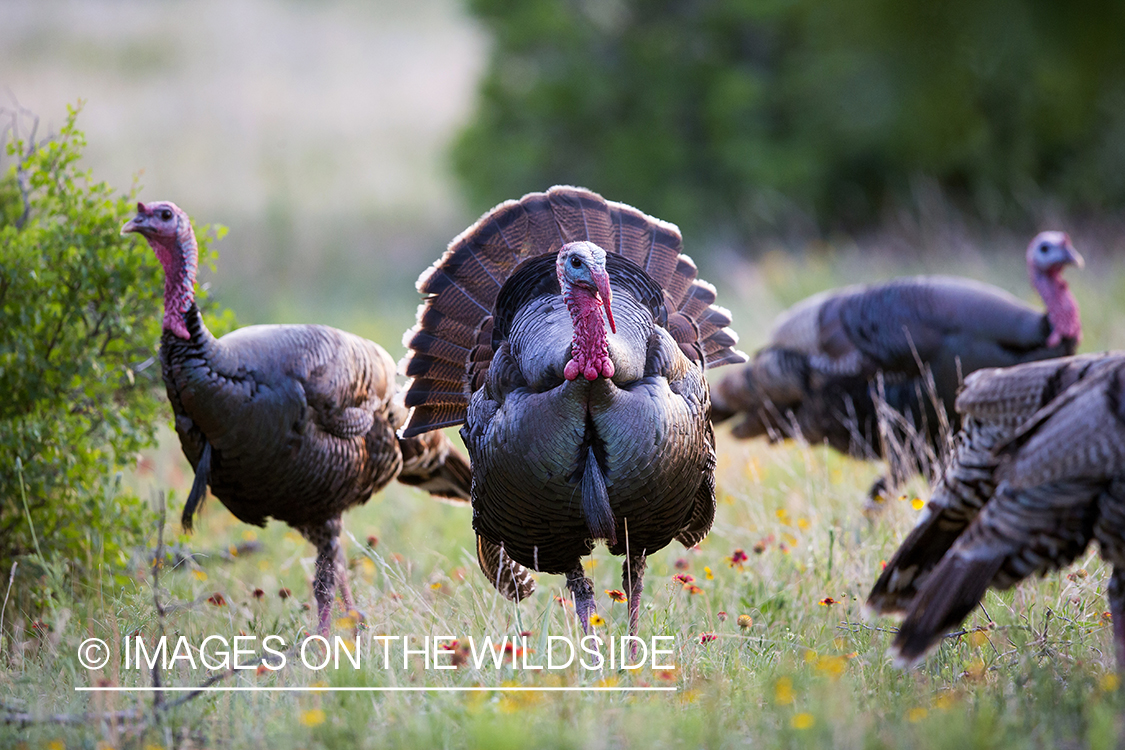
(217, 600)
(828, 601)
(616, 595)
(285, 593)
(682, 564)
(258, 593)
(707, 637)
(683, 578)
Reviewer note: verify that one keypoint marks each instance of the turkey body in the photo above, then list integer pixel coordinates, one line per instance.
(867, 369)
(535, 431)
(1038, 472)
(580, 427)
(299, 419)
(293, 422)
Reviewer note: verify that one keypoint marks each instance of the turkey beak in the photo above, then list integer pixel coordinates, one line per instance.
(1073, 256)
(134, 224)
(602, 282)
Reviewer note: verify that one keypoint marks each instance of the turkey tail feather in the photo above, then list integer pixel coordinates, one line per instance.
(431, 463)
(198, 486)
(956, 586)
(509, 577)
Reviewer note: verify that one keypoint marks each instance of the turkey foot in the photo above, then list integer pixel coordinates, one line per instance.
(583, 590)
(632, 580)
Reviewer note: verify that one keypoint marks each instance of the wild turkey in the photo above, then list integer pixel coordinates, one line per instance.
(575, 434)
(1038, 472)
(836, 356)
(296, 422)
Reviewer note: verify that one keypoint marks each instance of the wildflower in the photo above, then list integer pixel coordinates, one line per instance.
(233, 550)
(802, 721)
(707, 637)
(199, 575)
(616, 595)
(944, 701)
(917, 504)
(666, 675)
(258, 593)
(827, 602)
(684, 578)
(722, 616)
(738, 557)
(596, 620)
(1109, 682)
(803, 524)
(693, 589)
(372, 540)
(590, 564)
(217, 600)
(882, 565)
(525, 634)
(759, 547)
(1080, 573)
(783, 516)
(345, 623)
(261, 670)
(978, 638)
(249, 535)
(783, 691)
(313, 717)
(915, 715)
(745, 621)
(708, 574)
(833, 666)
(682, 563)
(285, 593)
(436, 586)
(790, 539)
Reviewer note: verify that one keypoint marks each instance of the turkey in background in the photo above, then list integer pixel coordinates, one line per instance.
(874, 370)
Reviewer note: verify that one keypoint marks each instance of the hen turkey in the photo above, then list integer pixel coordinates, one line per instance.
(296, 422)
(1038, 472)
(834, 359)
(570, 335)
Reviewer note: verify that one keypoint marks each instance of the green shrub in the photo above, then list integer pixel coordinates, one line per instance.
(738, 117)
(80, 311)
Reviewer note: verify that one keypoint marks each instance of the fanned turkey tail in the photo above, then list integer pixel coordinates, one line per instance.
(450, 347)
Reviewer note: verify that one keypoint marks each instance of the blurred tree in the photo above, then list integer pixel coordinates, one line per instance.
(744, 116)
(80, 314)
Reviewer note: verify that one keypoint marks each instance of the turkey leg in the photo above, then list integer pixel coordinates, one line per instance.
(583, 590)
(632, 580)
(326, 538)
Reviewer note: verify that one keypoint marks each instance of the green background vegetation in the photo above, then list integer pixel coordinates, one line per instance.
(749, 117)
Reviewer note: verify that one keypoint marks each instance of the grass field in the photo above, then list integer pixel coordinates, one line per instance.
(1035, 667)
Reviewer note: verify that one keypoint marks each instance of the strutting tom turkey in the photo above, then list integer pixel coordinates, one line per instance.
(835, 357)
(1037, 473)
(569, 335)
(294, 422)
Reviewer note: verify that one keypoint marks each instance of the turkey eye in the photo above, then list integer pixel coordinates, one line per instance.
(1043, 248)
(575, 262)
(166, 215)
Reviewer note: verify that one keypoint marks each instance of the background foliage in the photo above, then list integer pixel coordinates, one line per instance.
(80, 311)
(750, 116)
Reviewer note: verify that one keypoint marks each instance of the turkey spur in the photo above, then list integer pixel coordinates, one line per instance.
(834, 359)
(570, 335)
(294, 422)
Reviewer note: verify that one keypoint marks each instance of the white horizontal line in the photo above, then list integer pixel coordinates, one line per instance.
(471, 689)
